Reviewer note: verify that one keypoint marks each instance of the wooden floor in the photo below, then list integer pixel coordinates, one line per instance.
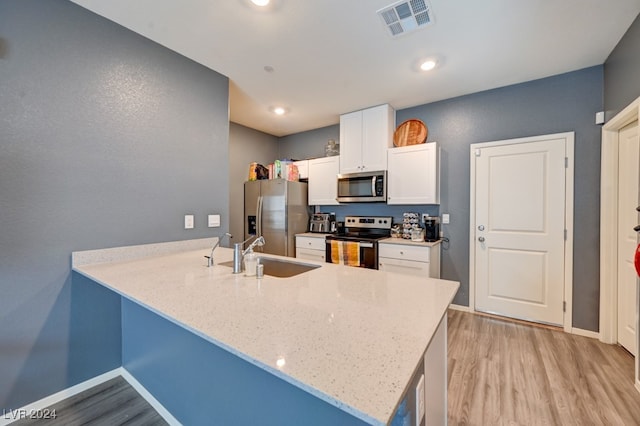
(113, 402)
(507, 373)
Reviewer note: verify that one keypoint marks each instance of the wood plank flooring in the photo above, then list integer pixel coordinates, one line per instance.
(113, 402)
(503, 372)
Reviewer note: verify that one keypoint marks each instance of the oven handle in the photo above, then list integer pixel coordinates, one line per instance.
(363, 244)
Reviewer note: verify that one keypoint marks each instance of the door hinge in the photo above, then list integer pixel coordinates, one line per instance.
(478, 152)
(565, 235)
(566, 162)
(564, 306)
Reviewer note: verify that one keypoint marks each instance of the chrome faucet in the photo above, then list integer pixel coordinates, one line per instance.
(238, 253)
(210, 257)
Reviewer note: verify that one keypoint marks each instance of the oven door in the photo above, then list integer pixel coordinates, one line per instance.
(351, 252)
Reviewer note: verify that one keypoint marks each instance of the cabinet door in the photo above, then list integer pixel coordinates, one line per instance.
(378, 124)
(408, 267)
(413, 176)
(323, 182)
(351, 142)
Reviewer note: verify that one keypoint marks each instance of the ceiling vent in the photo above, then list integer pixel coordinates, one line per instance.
(406, 16)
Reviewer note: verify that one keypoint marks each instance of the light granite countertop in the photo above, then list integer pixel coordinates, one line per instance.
(406, 242)
(352, 337)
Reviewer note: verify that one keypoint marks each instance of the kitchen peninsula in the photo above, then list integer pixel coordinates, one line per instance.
(334, 345)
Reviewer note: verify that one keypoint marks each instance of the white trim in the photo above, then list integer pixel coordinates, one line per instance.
(585, 333)
(459, 308)
(569, 138)
(609, 221)
(166, 415)
(55, 398)
(59, 396)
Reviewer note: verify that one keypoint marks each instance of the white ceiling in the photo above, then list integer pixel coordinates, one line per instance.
(334, 56)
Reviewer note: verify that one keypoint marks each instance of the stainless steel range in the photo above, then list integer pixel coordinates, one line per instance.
(357, 244)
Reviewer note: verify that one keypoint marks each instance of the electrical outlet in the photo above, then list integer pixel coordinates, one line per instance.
(213, 220)
(420, 400)
(188, 221)
(424, 217)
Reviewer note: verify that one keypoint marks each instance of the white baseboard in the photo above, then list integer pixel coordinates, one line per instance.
(166, 415)
(585, 333)
(40, 405)
(47, 401)
(459, 308)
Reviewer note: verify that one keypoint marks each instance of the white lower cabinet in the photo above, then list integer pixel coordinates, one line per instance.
(410, 258)
(310, 248)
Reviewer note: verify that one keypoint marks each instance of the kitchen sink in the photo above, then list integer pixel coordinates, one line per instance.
(280, 268)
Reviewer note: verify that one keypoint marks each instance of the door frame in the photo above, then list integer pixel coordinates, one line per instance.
(569, 138)
(609, 221)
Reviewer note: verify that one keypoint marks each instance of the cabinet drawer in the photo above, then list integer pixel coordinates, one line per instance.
(311, 243)
(395, 251)
(408, 267)
(310, 254)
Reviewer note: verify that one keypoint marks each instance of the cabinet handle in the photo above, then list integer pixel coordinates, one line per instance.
(401, 252)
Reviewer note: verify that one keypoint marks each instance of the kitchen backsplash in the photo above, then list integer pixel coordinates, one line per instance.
(378, 209)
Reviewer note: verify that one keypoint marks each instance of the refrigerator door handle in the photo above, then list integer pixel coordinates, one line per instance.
(259, 217)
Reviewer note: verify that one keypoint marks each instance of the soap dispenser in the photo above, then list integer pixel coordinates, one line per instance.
(250, 263)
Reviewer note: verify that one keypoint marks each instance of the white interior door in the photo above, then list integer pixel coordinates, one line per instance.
(628, 177)
(520, 229)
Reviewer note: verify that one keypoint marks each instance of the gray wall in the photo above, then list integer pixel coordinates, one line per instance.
(245, 146)
(310, 144)
(622, 72)
(562, 103)
(106, 139)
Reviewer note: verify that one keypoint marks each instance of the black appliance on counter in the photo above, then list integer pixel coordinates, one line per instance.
(431, 229)
(360, 233)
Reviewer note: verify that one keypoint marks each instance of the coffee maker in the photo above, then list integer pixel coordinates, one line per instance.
(324, 223)
(431, 229)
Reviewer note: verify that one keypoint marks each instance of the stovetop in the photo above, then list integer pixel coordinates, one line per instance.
(365, 228)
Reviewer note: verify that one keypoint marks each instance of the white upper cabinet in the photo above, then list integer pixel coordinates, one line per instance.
(323, 181)
(414, 174)
(365, 137)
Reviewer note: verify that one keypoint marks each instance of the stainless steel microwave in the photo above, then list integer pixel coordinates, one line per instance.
(363, 187)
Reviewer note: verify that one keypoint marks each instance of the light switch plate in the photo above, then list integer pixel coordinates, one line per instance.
(213, 220)
(188, 221)
(445, 218)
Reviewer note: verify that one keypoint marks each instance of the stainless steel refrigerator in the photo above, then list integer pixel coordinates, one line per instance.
(277, 210)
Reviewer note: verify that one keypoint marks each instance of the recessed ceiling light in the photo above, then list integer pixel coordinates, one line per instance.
(278, 110)
(428, 65)
(260, 2)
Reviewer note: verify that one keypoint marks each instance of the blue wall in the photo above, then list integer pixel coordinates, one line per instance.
(561, 103)
(106, 139)
(622, 72)
(202, 384)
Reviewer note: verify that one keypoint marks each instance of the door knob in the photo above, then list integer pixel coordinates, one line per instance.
(481, 239)
(481, 228)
